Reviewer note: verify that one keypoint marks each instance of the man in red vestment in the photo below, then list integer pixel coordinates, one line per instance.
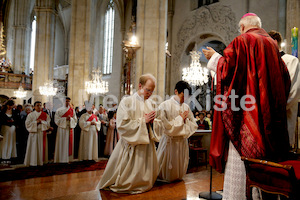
(250, 111)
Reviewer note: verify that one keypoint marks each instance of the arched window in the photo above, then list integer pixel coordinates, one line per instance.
(108, 38)
(32, 45)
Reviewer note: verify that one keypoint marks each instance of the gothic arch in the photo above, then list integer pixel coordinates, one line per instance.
(217, 20)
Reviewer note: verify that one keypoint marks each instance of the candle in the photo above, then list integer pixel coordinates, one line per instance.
(295, 41)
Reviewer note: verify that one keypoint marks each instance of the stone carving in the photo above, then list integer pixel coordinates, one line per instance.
(216, 19)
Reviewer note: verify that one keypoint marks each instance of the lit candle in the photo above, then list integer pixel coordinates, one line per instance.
(295, 41)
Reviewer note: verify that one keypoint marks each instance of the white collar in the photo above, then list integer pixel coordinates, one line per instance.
(173, 98)
(138, 96)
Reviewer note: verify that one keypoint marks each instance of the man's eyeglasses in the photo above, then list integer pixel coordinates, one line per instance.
(148, 91)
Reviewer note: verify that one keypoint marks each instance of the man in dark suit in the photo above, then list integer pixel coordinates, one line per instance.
(52, 130)
(102, 133)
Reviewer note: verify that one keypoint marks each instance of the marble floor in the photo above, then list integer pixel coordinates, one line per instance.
(84, 186)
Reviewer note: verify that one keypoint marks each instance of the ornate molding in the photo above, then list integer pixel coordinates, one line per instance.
(15, 79)
(215, 19)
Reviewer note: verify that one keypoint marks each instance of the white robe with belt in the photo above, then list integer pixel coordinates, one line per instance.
(173, 149)
(61, 154)
(35, 147)
(132, 167)
(293, 66)
(88, 145)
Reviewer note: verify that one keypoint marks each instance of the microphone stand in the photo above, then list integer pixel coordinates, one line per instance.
(211, 195)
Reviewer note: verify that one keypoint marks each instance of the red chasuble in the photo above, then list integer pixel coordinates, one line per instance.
(251, 65)
(70, 113)
(43, 116)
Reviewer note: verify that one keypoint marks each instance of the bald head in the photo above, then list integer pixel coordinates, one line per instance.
(145, 77)
(147, 84)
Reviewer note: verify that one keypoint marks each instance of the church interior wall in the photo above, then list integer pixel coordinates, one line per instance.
(113, 79)
(93, 35)
(239, 7)
(59, 55)
(8, 24)
(18, 24)
(64, 15)
(100, 12)
(267, 11)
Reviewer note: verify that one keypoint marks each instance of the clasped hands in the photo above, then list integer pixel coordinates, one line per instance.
(149, 117)
(184, 115)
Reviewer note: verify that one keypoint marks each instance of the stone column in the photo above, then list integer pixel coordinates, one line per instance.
(292, 20)
(44, 46)
(151, 34)
(79, 52)
(21, 36)
(169, 87)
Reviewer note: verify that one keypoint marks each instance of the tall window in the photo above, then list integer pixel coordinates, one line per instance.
(108, 38)
(32, 45)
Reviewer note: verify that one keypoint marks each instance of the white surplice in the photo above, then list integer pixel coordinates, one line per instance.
(88, 145)
(132, 167)
(35, 147)
(173, 149)
(61, 154)
(293, 66)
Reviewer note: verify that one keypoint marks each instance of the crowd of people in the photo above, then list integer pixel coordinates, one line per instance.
(62, 135)
(35, 134)
(204, 119)
(5, 66)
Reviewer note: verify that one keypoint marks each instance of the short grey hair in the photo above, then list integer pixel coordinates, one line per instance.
(251, 21)
(28, 107)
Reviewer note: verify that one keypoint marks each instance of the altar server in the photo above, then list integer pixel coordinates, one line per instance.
(179, 124)
(37, 123)
(132, 167)
(293, 65)
(66, 120)
(88, 145)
